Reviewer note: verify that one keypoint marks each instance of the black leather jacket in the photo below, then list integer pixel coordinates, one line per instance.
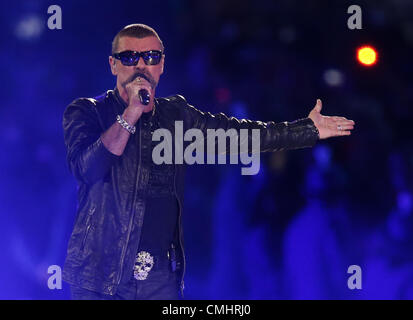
(110, 187)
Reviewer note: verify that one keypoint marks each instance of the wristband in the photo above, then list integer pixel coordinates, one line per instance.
(125, 125)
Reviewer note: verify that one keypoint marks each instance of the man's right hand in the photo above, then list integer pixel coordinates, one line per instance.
(135, 108)
(132, 89)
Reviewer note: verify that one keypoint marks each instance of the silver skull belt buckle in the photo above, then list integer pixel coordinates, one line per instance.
(143, 265)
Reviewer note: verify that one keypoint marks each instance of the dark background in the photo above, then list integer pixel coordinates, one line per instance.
(289, 232)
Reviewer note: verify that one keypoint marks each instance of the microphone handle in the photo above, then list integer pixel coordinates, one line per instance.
(144, 96)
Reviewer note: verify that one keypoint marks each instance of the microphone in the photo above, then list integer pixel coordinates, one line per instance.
(144, 96)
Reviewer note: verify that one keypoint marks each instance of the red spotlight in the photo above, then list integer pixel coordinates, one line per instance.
(367, 56)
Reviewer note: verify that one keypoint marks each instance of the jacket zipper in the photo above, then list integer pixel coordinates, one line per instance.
(133, 205)
(88, 225)
(182, 284)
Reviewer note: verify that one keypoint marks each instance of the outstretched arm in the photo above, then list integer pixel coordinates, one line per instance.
(301, 133)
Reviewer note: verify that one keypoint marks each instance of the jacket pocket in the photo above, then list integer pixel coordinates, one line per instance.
(88, 225)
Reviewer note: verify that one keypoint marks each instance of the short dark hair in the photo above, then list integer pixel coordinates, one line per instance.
(136, 30)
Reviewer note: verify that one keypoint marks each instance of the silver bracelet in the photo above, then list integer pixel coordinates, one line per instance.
(125, 125)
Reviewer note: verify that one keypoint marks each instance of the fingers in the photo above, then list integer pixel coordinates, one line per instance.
(133, 88)
(342, 132)
(137, 88)
(339, 126)
(340, 119)
(343, 128)
(342, 122)
(318, 106)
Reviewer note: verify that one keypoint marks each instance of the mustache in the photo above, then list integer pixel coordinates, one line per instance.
(141, 74)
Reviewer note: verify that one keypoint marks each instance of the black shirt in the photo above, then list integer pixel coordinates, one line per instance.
(161, 210)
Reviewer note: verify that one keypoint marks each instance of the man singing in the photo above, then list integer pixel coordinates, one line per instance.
(127, 240)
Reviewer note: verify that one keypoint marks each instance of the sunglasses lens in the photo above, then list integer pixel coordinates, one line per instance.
(128, 58)
(131, 58)
(152, 57)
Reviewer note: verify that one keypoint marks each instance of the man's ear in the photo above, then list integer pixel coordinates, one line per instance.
(112, 63)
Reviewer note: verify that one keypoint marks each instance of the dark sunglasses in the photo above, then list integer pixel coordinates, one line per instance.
(131, 58)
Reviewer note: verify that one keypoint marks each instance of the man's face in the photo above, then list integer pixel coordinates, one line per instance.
(125, 74)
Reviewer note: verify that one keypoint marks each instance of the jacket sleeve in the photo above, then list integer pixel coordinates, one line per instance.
(301, 133)
(87, 157)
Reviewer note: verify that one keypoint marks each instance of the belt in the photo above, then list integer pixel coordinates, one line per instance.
(145, 262)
